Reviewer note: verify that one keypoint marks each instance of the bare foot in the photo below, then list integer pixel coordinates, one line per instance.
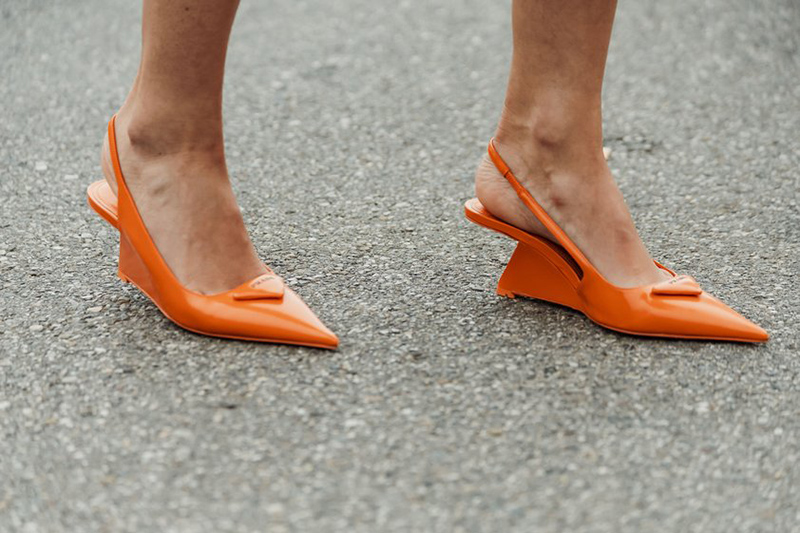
(184, 196)
(579, 193)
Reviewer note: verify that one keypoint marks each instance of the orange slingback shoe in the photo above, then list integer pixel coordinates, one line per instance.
(560, 273)
(262, 310)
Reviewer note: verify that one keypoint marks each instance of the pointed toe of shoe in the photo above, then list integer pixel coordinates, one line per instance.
(684, 312)
(754, 333)
(322, 337)
(284, 320)
(702, 317)
(302, 326)
(723, 322)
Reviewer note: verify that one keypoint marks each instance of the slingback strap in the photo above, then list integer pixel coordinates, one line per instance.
(112, 148)
(130, 221)
(537, 210)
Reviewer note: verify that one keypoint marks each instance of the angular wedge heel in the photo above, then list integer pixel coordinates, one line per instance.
(558, 272)
(132, 268)
(530, 273)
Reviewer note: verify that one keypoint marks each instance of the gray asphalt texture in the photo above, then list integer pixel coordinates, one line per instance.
(353, 129)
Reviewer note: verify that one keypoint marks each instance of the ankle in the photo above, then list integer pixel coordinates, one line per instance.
(554, 133)
(153, 132)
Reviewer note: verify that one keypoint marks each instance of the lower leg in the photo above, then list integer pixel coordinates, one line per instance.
(171, 147)
(550, 133)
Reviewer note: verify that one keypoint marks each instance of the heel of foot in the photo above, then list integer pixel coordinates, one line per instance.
(499, 198)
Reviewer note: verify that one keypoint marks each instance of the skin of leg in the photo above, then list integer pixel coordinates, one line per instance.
(551, 134)
(170, 142)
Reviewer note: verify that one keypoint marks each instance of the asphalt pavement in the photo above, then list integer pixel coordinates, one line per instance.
(353, 128)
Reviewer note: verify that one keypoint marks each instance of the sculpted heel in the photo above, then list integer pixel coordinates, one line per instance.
(132, 269)
(531, 274)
